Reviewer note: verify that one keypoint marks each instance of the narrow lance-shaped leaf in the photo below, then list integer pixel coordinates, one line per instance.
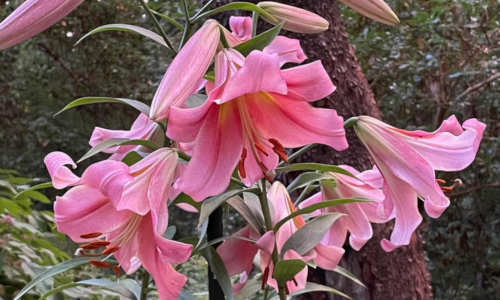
(143, 108)
(219, 269)
(102, 283)
(34, 188)
(260, 41)
(314, 287)
(305, 178)
(309, 235)
(127, 28)
(236, 6)
(286, 270)
(117, 142)
(314, 167)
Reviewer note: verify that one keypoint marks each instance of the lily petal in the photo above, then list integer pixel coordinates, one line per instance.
(61, 176)
(288, 50)
(310, 81)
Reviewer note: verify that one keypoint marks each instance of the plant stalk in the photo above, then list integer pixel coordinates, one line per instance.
(158, 26)
(214, 231)
(145, 284)
(269, 226)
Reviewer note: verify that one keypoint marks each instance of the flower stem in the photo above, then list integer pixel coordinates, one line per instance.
(145, 284)
(203, 10)
(187, 29)
(158, 26)
(255, 20)
(296, 154)
(269, 226)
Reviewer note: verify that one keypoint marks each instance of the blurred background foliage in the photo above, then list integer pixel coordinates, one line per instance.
(443, 59)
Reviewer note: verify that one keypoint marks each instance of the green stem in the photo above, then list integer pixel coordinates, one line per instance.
(296, 154)
(158, 26)
(269, 226)
(255, 20)
(303, 194)
(351, 122)
(203, 9)
(187, 29)
(145, 284)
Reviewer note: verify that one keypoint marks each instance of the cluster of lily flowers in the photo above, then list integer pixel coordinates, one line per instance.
(254, 111)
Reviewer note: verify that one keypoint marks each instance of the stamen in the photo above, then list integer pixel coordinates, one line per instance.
(241, 164)
(448, 189)
(98, 263)
(441, 181)
(279, 149)
(90, 247)
(116, 269)
(264, 278)
(110, 250)
(295, 281)
(261, 149)
(287, 291)
(90, 235)
(100, 243)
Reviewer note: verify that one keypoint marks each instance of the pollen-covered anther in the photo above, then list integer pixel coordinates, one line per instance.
(279, 149)
(241, 164)
(90, 247)
(100, 243)
(100, 264)
(261, 149)
(91, 235)
(295, 281)
(116, 270)
(110, 250)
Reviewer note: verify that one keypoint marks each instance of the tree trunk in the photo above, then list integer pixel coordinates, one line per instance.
(401, 274)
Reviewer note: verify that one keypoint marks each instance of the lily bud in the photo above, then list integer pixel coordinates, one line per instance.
(31, 18)
(185, 74)
(296, 19)
(377, 10)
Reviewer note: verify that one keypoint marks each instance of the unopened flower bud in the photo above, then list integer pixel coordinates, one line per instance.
(296, 19)
(377, 10)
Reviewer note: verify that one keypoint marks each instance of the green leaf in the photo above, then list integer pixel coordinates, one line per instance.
(252, 287)
(314, 287)
(236, 6)
(308, 177)
(320, 205)
(127, 28)
(185, 296)
(60, 268)
(222, 239)
(169, 19)
(183, 198)
(286, 270)
(33, 188)
(132, 158)
(37, 196)
(247, 214)
(170, 232)
(314, 167)
(212, 203)
(349, 275)
(260, 41)
(309, 235)
(219, 269)
(109, 143)
(102, 283)
(143, 108)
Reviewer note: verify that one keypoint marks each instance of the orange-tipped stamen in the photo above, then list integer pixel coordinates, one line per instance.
(448, 189)
(279, 149)
(90, 235)
(89, 247)
(110, 250)
(100, 264)
(264, 278)
(287, 291)
(241, 164)
(441, 181)
(116, 269)
(100, 243)
(261, 149)
(295, 281)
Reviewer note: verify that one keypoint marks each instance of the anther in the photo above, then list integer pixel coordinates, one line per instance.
(110, 250)
(90, 247)
(90, 235)
(441, 181)
(264, 278)
(100, 243)
(116, 269)
(295, 281)
(98, 263)
(261, 149)
(241, 164)
(279, 149)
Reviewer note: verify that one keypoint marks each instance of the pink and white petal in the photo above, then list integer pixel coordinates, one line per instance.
(478, 128)
(260, 73)
(328, 257)
(238, 254)
(408, 217)
(372, 177)
(266, 242)
(109, 176)
(277, 116)
(314, 199)
(336, 235)
(288, 50)
(216, 153)
(61, 176)
(83, 209)
(185, 123)
(241, 27)
(168, 281)
(127, 254)
(310, 81)
(356, 223)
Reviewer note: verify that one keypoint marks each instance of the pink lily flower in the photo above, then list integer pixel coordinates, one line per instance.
(31, 18)
(99, 212)
(248, 120)
(377, 10)
(180, 81)
(142, 129)
(238, 254)
(288, 50)
(357, 215)
(407, 161)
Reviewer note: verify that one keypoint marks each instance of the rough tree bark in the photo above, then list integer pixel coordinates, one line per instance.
(401, 274)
